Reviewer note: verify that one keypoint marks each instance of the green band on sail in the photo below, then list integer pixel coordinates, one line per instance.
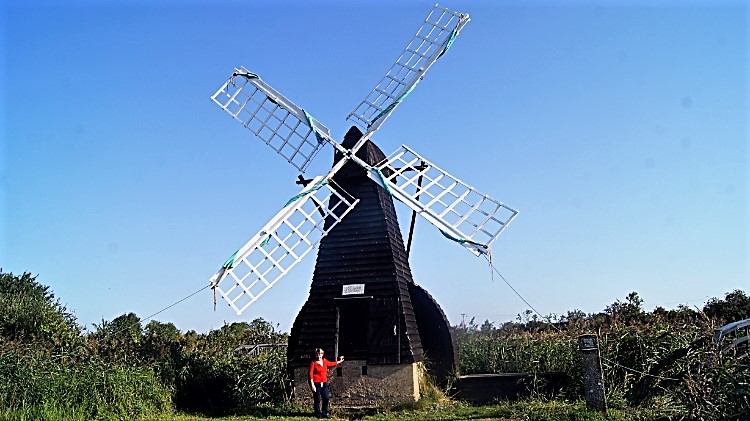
(385, 182)
(229, 264)
(396, 102)
(310, 120)
(306, 192)
(249, 75)
(450, 237)
(448, 44)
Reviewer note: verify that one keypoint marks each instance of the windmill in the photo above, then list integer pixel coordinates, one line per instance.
(461, 213)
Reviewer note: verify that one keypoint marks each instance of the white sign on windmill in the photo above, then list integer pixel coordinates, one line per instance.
(460, 212)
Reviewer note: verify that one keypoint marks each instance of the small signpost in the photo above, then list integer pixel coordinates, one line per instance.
(593, 382)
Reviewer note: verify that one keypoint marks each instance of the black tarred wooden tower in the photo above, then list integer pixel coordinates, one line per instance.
(363, 302)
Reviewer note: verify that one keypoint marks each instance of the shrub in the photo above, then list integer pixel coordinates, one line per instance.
(213, 378)
(29, 312)
(40, 386)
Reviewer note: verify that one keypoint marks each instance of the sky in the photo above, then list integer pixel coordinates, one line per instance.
(619, 130)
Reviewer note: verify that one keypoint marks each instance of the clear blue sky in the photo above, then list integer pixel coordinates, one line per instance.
(618, 129)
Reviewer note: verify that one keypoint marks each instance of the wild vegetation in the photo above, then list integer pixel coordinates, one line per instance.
(663, 360)
(657, 365)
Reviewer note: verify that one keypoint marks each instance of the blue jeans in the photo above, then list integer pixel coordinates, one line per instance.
(321, 393)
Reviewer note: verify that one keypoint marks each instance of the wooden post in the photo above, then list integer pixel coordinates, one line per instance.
(593, 383)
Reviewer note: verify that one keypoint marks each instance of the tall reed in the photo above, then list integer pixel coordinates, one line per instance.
(35, 385)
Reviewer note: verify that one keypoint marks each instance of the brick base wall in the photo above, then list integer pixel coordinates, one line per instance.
(355, 384)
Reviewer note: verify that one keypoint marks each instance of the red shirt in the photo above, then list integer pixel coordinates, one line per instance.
(319, 373)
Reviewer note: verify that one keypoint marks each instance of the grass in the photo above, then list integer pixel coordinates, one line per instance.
(507, 411)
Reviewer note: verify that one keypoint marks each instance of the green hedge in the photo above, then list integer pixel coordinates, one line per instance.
(36, 385)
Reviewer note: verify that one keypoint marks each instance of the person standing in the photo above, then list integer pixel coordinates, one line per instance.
(319, 381)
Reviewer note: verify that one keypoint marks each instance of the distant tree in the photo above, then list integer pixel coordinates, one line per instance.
(228, 337)
(190, 340)
(682, 314)
(531, 321)
(160, 340)
(26, 285)
(575, 315)
(126, 326)
(527, 317)
(261, 331)
(629, 311)
(29, 312)
(166, 332)
(162, 346)
(735, 306)
(120, 339)
(487, 326)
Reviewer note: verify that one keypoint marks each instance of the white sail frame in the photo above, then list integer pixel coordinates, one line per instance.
(430, 42)
(278, 122)
(461, 212)
(282, 243)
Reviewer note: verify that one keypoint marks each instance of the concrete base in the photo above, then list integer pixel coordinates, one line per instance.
(485, 388)
(355, 384)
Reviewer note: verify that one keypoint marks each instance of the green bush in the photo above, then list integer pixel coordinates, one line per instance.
(29, 312)
(213, 378)
(40, 386)
(48, 371)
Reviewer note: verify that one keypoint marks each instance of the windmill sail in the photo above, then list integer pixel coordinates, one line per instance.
(460, 212)
(285, 127)
(281, 244)
(430, 42)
